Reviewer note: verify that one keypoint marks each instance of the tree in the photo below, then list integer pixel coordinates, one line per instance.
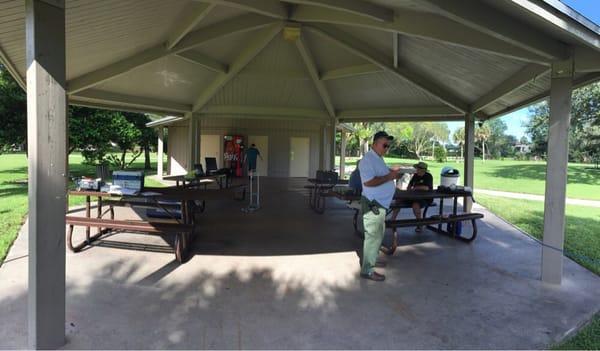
(125, 136)
(459, 139)
(148, 136)
(585, 115)
(482, 134)
(424, 133)
(90, 130)
(13, 112)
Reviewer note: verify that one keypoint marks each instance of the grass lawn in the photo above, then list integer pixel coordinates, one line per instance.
(13, 191)
(582, 244)
(517, 176)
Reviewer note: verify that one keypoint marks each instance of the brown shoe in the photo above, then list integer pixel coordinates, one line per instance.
(373, 276)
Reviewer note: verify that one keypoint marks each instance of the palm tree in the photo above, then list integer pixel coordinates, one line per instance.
(459, 138)
(482, 134)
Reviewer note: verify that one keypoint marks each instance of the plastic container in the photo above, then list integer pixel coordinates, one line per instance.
(449, 176)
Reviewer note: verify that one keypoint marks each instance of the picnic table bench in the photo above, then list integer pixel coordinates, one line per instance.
(435, 222)
(318, 191)
(178, 205)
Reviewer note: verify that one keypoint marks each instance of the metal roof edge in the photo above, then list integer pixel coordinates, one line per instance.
(164, 121)
(573, 14)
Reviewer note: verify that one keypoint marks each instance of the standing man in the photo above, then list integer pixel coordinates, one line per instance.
(378, 191)
(251, 154)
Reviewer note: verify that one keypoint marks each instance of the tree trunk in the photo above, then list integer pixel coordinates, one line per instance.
(147, 157)
(123, 159)
(483, 151)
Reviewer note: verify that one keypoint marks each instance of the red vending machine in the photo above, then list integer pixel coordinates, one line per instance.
(233, 154)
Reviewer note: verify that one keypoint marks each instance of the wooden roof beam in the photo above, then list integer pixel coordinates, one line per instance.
(269, 8)
(265, 111)
(356, 7)
(10, 67)
(239, 24)
(405, 111)
(313, 72)
(104, 99)
(193, 15)
(204, 61)
(422, 25)
(350, 71)
(374, 56)
(485, 19)
(516, 81)
(257, 44)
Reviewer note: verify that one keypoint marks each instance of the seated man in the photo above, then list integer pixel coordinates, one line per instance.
(354, 182)
(421, 180)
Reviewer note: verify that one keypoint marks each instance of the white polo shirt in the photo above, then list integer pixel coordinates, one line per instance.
(371, 166)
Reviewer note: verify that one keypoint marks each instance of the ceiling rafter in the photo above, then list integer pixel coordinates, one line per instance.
(422, 25)
(238, 24)
(203, 60)
(516, 81)
(255, 45)
(194, 14)
(121, 100)
(313, 72)
(12, 69)
(355, 7)
(473, 14)
(270, 8)
(350, 71)
(264, 111)
(406, 111)
(374, 56)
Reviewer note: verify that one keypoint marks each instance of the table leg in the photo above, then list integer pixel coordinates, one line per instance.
(441, 213)
(88, 214)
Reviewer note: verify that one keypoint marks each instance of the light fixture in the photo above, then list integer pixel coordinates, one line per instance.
(291, 31)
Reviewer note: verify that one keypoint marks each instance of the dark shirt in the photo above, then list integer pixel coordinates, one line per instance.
(355, 182)
(426, 179)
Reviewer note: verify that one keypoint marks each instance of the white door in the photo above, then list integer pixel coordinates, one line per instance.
(210, 146)
(299, 156)
(262, 144)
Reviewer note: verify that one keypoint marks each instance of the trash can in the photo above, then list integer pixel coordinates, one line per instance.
(449, 176)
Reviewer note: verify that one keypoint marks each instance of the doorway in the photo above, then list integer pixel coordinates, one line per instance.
(210, 146)
(299, 156)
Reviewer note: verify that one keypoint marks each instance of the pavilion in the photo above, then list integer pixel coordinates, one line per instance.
(284, 73)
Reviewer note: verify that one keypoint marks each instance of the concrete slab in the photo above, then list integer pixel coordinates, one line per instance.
(285, 277)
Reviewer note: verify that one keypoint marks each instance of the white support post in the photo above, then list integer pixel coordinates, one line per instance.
(343, 154)
(469, 155)
(332, 132)
(160, 151)
(322, 150)
(194, 141)
(47, 151)
(561, 87)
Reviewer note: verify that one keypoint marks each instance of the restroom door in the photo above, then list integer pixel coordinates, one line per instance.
(210, 146)
(262, 144)
(299, 156)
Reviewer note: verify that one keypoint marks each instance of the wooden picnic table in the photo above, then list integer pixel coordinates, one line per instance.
(435, 223)
(317, 191)
(188, 180)
(182, 228)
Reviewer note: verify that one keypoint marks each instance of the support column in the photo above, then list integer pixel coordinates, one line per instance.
(160, 151)
(332, 132)
(47, 151)
(556, 171)
(193, 141)
(342, 153)
(322, 151)
(469, 154)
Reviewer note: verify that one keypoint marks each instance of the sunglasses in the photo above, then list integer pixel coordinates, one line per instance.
(386, 146)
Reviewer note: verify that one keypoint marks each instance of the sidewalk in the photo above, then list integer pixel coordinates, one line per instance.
(579, 202)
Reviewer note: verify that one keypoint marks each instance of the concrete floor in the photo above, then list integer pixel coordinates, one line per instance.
(285, 277)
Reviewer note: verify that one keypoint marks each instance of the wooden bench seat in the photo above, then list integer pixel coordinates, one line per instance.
(183, 232)
(437, 220)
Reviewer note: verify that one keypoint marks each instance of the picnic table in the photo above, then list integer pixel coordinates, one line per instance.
(189, 180)
(318, 191)
(435, 222)
(177, 203)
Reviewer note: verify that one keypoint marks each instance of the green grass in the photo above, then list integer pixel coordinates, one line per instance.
(13, 191)
(517, 176)
(582, 244)
(582, 239)
(588, 338)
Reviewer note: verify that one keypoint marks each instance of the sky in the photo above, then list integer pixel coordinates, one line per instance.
(514, 121)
